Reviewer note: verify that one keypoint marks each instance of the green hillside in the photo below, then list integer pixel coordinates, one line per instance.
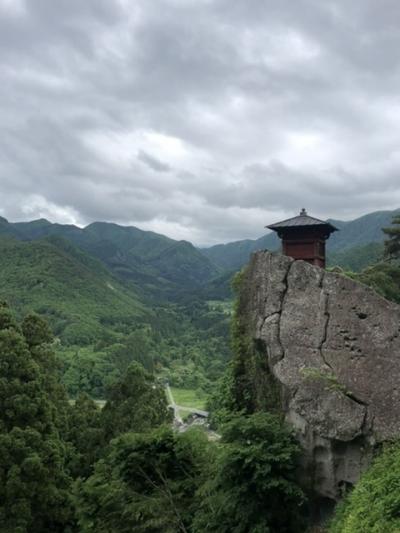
(233, 255)
(351, 236)
(81, 300)
(356, 258)
(361, 231)
(154, 263)
(103, 324)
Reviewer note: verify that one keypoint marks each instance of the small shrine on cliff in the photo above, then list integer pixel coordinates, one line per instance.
(303, 237)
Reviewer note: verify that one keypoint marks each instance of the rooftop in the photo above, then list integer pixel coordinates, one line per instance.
(301, 220)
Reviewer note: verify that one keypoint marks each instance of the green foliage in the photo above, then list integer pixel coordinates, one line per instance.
(384, 278)
(36, 330)
(136, 403)
(328, 378)
(253, 387)
(251, 485)
(81, 302)
(87, 371)
(188, 346)
(101, 326)
(247, 384)
(392, 244)
(34, 485)
(147, 483)
(357, 257)
(374, 504)
(153, 263)
(86, 435)
(221, 403)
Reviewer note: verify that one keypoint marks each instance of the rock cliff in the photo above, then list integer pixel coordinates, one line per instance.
(330, 348)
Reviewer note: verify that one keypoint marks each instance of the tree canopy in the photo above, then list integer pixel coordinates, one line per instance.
(147, 484)
(34, 483)
(135, 403)
(252, 486)
(392, 244)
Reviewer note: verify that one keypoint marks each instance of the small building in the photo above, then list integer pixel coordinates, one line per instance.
(303, 237)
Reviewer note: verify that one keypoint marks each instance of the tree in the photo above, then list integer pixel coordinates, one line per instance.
(251, 486)
(36, 330)
(39, 338)
(374, 504)
(392, 244)
(34, 487)
(85, 435)
(135, 403)
(383, 277)
(137, 346)
(146, 484)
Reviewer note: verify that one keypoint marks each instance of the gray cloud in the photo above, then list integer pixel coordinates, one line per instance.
(153, 162)
(202, 119)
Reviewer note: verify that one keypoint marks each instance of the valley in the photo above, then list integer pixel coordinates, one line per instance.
(114, 294)
(133, 336)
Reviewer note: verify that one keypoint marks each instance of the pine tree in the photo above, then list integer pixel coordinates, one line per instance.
(39, 339)
(34, 488)
(135, 403)
(85, 435)
(392, 244)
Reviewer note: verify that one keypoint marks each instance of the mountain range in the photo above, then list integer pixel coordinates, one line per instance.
(105, 280)
(155, 262)
(149, 261)
(352, 236)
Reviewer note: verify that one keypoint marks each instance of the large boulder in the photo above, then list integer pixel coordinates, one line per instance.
(332, 347)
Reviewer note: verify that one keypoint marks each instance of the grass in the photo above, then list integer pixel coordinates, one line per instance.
(188, 398)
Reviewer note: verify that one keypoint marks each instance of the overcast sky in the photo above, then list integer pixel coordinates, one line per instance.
(203, 120)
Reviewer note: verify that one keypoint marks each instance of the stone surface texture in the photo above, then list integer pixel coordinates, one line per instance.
(333, 346)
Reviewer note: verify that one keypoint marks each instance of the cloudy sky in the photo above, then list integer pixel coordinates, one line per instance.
(200, 119)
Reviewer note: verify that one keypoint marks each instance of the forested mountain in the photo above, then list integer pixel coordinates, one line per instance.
(153, 262)
(353, 234)
(81, 299)
(360, 231)
(357, 257)
(131, 309)
(114, 294)
(158, 264)
(103, 320)
(234, 255)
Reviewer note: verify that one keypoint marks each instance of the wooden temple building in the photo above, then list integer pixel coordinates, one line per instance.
(303, 237)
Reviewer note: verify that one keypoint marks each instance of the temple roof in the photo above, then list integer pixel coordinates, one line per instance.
(301, 220)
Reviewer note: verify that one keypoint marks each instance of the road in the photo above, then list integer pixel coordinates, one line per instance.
(178, 408)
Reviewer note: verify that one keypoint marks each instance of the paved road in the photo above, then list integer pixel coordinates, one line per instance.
(177, 416)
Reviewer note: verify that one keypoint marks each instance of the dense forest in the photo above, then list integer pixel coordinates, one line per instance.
(82, 325)
(71, 466)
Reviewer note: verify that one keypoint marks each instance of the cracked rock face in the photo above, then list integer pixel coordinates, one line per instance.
(333, 346)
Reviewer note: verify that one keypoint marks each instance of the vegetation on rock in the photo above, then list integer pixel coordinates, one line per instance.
(374, 504)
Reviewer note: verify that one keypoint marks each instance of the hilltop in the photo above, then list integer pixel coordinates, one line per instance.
(154, 264)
